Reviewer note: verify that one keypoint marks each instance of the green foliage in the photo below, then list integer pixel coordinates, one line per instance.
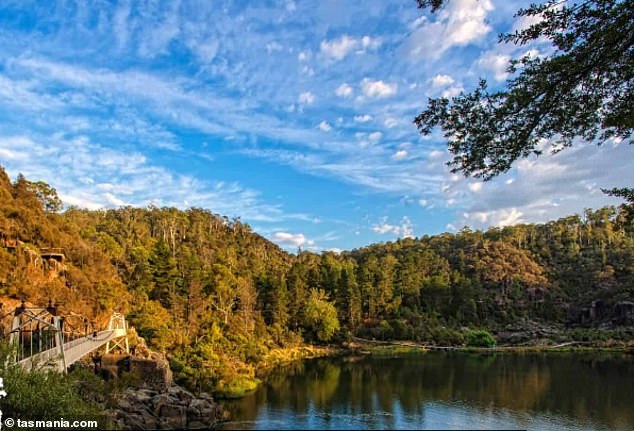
(321, 316)
(237, 388)
(625, 193)
(583, 89)
(152, 322)
(480, 338)
(47, 195)
(443, 336)
(41, 394)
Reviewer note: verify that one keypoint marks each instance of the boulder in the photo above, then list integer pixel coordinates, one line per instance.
(174, 408)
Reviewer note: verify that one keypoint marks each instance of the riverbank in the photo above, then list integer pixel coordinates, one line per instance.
(458, 391)
(364, 347)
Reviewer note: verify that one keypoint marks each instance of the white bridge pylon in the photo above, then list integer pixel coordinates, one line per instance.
(118, 325)
(57, 347)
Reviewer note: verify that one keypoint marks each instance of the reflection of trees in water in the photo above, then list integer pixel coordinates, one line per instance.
(585, 388)
(322, 382)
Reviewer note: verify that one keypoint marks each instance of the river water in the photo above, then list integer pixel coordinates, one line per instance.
(436, 390)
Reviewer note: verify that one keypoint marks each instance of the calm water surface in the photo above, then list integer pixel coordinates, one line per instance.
(445, 391)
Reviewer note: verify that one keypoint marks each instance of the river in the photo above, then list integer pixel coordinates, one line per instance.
(445, 390)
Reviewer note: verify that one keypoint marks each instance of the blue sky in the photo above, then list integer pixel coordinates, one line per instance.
(295, 116)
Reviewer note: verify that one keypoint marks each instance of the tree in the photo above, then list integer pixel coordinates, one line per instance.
(273, 300)
(47, 195)
(321, 315)
(625, 193)
(164, 273)
(223, 295)
(584, 89)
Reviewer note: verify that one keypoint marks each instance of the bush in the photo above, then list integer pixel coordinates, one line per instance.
(447, 337)
(237, 388)
(45, 394)
(480, 338)
(400, 329)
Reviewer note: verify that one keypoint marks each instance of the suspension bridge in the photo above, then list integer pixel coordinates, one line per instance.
(44, 338)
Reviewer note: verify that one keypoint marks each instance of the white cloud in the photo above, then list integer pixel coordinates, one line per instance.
(547, 187)
(362, 118)
(113, 200)
(377, 88)
(459, 23)
(337, 49)
(22, 94)
(447, 83)
(370, 43)
(294, 240)
(441, 81)
(385, 228)
(306, 98)
(273, 47)
(92, 176)
(499, 218)
(324, 126)
(400, 155)
(452, 91)
(475, 187)
(496, 63)
(375, 137)
(344, 90)
(404, 229)
(173, 100)
(390, 122)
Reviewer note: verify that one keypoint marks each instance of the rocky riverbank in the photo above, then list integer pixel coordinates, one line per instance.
(154, 401)
(175, 408)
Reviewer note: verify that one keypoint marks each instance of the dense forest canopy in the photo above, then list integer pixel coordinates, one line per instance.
(217, 297)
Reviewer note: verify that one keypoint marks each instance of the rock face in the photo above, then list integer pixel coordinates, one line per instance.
(152, 367)
(159, 404)
(174, 408)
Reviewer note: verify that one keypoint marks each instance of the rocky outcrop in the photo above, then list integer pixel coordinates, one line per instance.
(152, 367)
(174, 408)
(159, 404)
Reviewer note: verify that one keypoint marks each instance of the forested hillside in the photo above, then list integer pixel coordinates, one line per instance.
(216, 297)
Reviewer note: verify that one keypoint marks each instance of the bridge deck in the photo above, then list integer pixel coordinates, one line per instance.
(73, 350)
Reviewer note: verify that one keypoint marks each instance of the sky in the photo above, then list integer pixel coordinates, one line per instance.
(295, 116)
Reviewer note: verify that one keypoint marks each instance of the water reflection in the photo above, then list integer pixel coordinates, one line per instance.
(445, 390)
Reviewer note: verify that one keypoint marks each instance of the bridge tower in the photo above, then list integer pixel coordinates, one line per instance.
(118, 324)
(35, 329)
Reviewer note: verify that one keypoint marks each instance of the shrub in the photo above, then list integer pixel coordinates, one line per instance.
(44, 394)
(447, 337)
(401, 330)
(480, 338)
